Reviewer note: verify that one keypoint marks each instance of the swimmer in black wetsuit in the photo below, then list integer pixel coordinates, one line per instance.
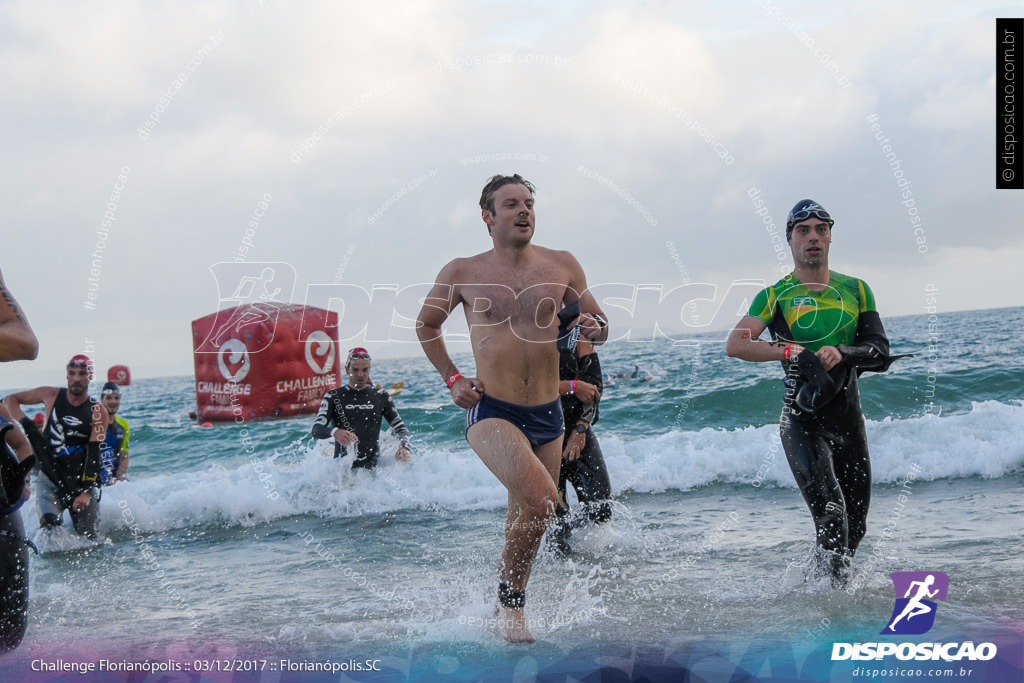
(826, 331)
(17, 342)
(69, 448)
(580, 385)
(351, 415)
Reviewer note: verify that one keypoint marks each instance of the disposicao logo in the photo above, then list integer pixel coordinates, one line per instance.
(914, 614)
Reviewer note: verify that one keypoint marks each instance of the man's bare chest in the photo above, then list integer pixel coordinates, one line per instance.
(523, 299)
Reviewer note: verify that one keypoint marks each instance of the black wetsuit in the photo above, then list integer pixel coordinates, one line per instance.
(13, 580)
(822, 426)
(828, 453)
(587, 474)
(70, 463)
(13, 555)
(359, 411)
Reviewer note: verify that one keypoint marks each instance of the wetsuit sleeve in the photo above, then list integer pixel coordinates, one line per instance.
(91, 468)
(322, 424)
(590, 371)
(396, 422)
(870, 351)
(12, 473)
(45, 458)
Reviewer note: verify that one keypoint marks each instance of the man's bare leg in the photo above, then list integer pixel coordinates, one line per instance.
(530, 479)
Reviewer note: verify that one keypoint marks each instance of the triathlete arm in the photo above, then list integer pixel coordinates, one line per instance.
(589, 365)
(122, 467)
(437, 306)
(583, 390)
(322, 431)
(15, 437)
(91, 469)
(743, 343)
(396, 422)
(322, 425)
(17, 340)
(44, 395)
(123, 457)
(93, 460)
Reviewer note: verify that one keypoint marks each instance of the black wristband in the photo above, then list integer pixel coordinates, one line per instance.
(509, 598)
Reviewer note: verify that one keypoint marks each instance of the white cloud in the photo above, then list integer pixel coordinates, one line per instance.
(80, 82)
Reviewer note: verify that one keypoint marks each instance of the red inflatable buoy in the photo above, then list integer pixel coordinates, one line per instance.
(264, 360)
(120, 374)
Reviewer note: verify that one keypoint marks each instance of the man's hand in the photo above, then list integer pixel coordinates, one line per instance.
(81, 501)
(574, 446)
(589, 327)
(829, 356)
(402, 454)
(585, 391)
(467, 391)
(345, 437)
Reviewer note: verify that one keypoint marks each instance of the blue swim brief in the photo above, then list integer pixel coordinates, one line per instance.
(540, 424)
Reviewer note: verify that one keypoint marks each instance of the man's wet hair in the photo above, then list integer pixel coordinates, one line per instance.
(499, 181)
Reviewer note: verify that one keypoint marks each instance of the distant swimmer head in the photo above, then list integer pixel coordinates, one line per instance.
(804, 209)
(110, 397)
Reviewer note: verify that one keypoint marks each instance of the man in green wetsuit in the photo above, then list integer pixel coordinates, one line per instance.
(825, 331)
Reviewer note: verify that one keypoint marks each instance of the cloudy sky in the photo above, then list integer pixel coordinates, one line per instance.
(368, 129)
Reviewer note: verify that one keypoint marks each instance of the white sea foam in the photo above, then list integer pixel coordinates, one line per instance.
(988, 442)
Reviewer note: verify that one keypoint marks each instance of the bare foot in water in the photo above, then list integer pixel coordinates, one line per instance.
(512, 624)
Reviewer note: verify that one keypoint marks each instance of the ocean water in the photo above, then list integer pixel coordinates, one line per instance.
(211, 554)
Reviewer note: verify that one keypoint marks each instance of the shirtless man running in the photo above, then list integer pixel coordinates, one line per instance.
(511, 296)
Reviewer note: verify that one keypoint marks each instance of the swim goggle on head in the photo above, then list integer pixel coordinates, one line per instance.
(358, 353)
(804, 209)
